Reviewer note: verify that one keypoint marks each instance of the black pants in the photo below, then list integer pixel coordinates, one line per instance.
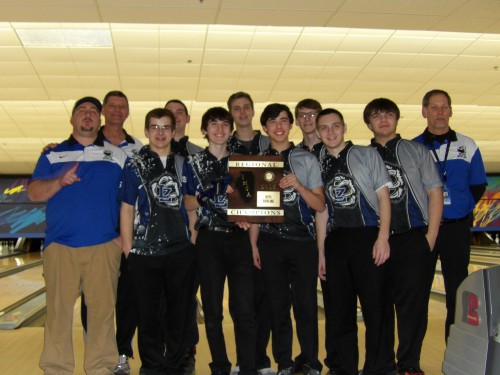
(453, 249)
(222, 255)
(126, 313)
(352, 273)
(327, 306)
(408, 273)
(263, 320)
(289, 264)
(159, 282)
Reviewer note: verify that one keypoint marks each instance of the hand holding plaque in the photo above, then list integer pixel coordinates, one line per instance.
(257, 197)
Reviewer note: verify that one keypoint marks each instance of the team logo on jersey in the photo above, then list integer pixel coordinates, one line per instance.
(342, 191)
(397, 187)
(220, 202)
(108, 155)
(462, 152)
(289, 195)
(166, 191)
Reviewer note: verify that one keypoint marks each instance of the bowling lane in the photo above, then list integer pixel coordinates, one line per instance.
(18, 260)
(20, 285)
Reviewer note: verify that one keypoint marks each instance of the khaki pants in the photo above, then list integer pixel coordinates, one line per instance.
(68, 271)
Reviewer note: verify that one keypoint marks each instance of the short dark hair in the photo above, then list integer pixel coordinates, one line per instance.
(308, 103)
(380, 105)
(238, 95)
(159, 113)
(427, 97)
(178, 102)
(114, 93)
(216, 113)
(329, 111)
(273, 110)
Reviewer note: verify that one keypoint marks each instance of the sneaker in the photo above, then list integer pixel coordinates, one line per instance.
(411, 371)
(235, 370)
(285, 371)
(266, 371)
(312, 371)
(122, 368)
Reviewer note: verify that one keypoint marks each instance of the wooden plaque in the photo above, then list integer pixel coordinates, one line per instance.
(257, 197)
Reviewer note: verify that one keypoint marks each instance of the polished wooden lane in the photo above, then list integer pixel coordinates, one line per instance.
(20, 285)
(17, 260)
(20, 349)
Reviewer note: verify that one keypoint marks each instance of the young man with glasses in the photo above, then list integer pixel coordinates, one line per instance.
(306, 111)
(156, 241)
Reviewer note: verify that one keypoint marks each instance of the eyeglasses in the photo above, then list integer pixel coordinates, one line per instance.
(310, 115)
(157, 128)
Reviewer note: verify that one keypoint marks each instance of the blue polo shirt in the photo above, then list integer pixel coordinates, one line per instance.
(463, 167)
(85, 213)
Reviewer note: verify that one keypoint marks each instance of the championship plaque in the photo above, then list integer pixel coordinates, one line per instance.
(257, 197)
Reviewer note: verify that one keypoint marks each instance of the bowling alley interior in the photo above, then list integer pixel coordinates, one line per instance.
(343, 53)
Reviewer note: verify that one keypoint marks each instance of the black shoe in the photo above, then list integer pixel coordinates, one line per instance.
(286, 371)
(297, 366)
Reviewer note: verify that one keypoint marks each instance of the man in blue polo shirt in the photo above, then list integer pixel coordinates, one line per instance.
(460, 165)
(79, 180)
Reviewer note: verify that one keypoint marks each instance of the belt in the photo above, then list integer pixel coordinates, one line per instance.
(416, 229)
(222, 229)
(450, 221)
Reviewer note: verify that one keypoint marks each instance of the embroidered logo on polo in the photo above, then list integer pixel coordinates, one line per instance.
(342, 191)
(398, 186)
(108, 155)
(462, 152)
(166, 191)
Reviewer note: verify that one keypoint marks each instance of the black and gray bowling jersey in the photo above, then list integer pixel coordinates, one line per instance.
(299, 217)
(412, 172)
(257, 145)
(351, 182)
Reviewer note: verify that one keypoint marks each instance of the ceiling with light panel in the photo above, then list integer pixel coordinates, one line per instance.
(343, 53)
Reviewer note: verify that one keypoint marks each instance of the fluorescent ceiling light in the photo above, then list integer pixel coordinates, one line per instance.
(65, 37)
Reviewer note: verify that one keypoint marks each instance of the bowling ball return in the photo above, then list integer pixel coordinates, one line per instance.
(473, 346)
